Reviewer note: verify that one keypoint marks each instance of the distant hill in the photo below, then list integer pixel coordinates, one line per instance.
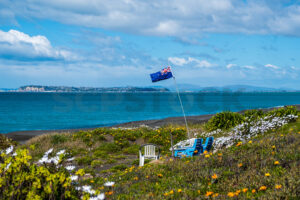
(229, 88)
(38, 88)
(7, 89)
(170, 88)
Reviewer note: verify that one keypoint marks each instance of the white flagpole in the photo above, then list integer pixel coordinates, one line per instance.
(186, 125)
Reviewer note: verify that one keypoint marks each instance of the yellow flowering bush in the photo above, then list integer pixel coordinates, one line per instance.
(20, 178)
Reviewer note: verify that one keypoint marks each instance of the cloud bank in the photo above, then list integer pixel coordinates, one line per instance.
(166, 17)
(20, 46)
(193, 61)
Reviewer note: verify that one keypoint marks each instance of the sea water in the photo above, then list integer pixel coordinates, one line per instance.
(48, 111)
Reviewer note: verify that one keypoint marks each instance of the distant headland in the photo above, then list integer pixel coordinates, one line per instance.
(168, 88)
(39, 88)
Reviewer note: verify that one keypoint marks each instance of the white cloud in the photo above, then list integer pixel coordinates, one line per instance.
(271, 66)
(19, 45)
(165, 28)
(197, 63)
(230, 66)
(167, 17)
(249, 67)
(95, 74)
(287, 24)
(177, 61)
(204, 63)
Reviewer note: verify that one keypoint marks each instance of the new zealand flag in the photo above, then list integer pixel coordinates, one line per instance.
(162, 75)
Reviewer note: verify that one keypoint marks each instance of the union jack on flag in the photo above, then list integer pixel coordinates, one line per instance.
(162, 75)
(165, 70)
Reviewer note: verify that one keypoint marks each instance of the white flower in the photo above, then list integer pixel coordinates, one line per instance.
(9, 149)
(70, 159)
(70, 168)
(98, 197)
(109, 184)
(7, 166)
(54, 160)
(49, 151)
(250, 129)
(78, 188)
(15, 154)
(74, 178)
(61, 152)
(88, 189)
(44, 159)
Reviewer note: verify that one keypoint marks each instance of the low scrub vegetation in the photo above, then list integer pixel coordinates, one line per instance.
(6, 142)
(260, 161)
(20, 178)
(265, 167)
(226, 120)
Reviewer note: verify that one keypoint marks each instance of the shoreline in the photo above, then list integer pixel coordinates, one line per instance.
(23, 136)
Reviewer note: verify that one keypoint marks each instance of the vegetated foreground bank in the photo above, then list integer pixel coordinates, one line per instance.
(256, 156)
(23, 136)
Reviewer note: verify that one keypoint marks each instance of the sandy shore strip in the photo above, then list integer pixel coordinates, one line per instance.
(23, 136)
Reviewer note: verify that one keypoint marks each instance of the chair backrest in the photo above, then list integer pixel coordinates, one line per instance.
(150, 150)
(208, 143)
(199, 146)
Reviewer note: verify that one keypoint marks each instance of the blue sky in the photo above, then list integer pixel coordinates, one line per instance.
(119, 43)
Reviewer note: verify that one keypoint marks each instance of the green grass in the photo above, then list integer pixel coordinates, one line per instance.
(236, 168)
(112, 154)
(102, 149)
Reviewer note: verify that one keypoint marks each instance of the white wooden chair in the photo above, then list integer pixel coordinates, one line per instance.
(149, 153)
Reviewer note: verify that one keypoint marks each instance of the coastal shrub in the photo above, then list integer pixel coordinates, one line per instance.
(110, 161)
(85, 160)
(133, 149)
(58, 139)
(119, 157)
(284, 111)
(131, 135)
(109, 147)
(162, 136)
(251, 115)
(96, 163)
(84, 136)
(78, 151)
(20, 178)
(89, 137)
(101, 131)
(224, 120)
(119, 167)
(123, 138)
(100, 154)
(6, 142)
(89, 171)
(136, 162)
(122, 143)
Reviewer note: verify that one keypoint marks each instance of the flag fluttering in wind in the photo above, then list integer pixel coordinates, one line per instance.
(162, 75)
(166, 74)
